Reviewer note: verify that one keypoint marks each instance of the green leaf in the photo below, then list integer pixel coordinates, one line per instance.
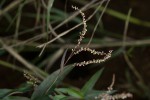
(5, 92)
(49, 84)
(44, 97)
(49, 6)
(63, 61)
(71, 91)
(119, 15)
(90, 84)
(59, 97)
(15, 98)
(24, 88)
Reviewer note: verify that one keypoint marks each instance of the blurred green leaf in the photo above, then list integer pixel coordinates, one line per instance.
(90, 84)
(22, 89)
(5, 92)
(2, 52)
(63, 60)
(16, 98)
(49, 6)
(72, 92)
(119, 15)
(59, 12)
(117, 52)
(44, 97)
(59, 97)
(10, 65)
(49, 84)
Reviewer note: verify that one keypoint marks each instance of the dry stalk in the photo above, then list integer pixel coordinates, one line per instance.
(108, 96)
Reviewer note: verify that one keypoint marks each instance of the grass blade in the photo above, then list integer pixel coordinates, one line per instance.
(8, 92)
(16, 98)
(4, 92)
(49, 84)
(90, 84)
(71, 92)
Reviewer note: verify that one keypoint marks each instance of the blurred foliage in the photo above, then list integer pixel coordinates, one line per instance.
(26, 24)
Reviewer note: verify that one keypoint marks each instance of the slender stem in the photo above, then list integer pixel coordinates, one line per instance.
(131, 66)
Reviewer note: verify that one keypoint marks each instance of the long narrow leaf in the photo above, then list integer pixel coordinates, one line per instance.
(63, 61)
(7, 92)
(49, 84)
(4, 92)
(16, 98)
(90, 84)
(71, 92)
(50, 4)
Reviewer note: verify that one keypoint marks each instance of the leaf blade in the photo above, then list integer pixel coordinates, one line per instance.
(16, 98)
(90, 84)
(48, 85)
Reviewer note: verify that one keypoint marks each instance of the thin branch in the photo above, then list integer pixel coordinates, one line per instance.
(131, 66)
(11, 6)
(22, 60)
(110, 88)
(93, 45)
(64, 33)
(134, 70)
(55, 34)
(98, 21)
(37, 37)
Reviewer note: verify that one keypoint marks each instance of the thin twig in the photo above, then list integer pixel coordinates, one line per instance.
(22, 60)
(98, 21)
(12, 6)
(131, 66)
(55, 34)
(37, 37)
(42, 34)
(14, 67)
(134, 70)
(64, 33)
(19, 14)
(110, 88)
(93, 45)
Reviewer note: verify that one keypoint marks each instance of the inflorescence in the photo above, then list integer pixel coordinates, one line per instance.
(108, 96)
(31, 79)
(77, 50)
